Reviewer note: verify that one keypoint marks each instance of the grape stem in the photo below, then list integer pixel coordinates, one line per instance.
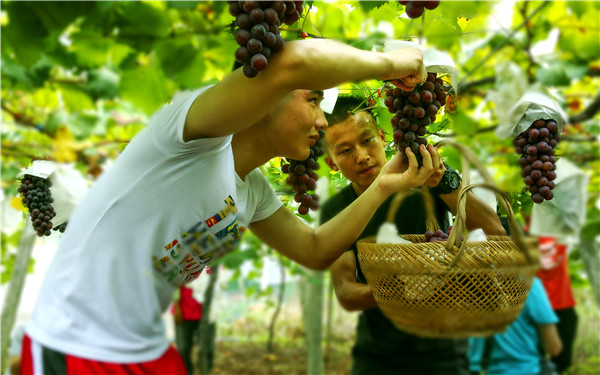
(408, 29)
(299, 31)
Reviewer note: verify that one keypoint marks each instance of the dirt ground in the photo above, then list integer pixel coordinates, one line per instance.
(250, 359)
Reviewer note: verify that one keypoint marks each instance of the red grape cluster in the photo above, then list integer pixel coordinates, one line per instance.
(437, 236)
(257, 31)
(303, 178)
(36, 196)
(414, 9)
(536, 146)
(414, 111)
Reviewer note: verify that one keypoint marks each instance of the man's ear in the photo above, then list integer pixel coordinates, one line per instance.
(331, 163)
(381, 135)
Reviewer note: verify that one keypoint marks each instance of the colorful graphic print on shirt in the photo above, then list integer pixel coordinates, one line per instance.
(184, 259)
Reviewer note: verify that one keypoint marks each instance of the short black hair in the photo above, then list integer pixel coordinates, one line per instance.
(346, 106)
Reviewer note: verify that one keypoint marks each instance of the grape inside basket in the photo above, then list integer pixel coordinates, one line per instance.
(438, 290)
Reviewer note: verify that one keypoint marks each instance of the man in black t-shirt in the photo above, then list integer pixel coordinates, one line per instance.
(355, 147)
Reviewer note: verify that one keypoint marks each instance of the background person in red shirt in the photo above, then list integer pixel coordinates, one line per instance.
(187, 312)
(554, 273)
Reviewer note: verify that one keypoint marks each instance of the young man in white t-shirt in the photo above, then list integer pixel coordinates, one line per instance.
(179, 194)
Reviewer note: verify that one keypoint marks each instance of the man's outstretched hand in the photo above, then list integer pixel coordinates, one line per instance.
(397, 176)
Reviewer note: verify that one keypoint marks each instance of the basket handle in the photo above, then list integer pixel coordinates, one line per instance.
(459, 226)
(469, 158)
(431, 221)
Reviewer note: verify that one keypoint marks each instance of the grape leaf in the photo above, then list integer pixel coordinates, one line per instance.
(91, 50)
(553, 75)
(103, 83)
(368, 6)
(146, 88)
(143, 19)
(175, 54)
(74, 98)
(23, 34)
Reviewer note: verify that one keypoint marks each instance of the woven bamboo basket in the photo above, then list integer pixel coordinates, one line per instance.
(454, 288)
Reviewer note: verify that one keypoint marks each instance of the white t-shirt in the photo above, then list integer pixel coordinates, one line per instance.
(149, 224)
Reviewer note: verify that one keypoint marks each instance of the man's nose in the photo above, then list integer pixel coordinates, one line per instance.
(361, 155)
(321, 121)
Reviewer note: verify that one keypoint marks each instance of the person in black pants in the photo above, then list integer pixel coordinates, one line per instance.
(355, 147)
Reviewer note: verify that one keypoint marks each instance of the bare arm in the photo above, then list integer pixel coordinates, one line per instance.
(238, 102)
(550, 339)
(319, 248)
(479, 214)
(352, 295)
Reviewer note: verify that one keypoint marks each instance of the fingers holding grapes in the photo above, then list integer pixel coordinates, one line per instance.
(391, 180)
(435, 179)
(407, 68)
(431, 162)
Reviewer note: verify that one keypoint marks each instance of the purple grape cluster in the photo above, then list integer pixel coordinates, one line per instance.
(536, 146)
(414, 9)
(303, 178)
(414, 111)
(437, 236)
(36, 196)
(257, 31)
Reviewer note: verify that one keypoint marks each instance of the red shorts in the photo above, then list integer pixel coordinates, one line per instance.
(37, 359)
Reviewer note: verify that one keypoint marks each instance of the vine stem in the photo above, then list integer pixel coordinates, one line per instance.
(508, 37)
(408, 29)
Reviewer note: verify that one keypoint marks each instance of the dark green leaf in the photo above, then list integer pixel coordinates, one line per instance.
(176, 54)
(23, 34)
(553, 75)
(147, 88)
(92, 50)
(75, 98)
(59, 14)
(143, 19)
(368, 6)
(182, 5)
(103, 83)
(15, 71)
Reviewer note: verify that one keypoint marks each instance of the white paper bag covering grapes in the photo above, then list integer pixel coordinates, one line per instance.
(565, 214)
(518, 104)
(68, 186)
